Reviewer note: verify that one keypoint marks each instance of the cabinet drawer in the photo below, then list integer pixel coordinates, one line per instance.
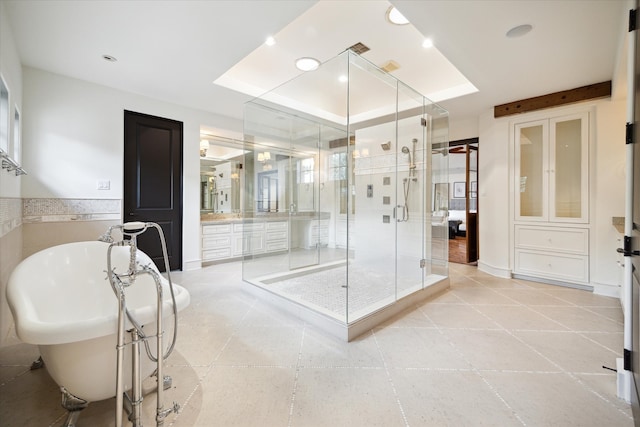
(209, 255)
(248, 226)
(571, 240)
(564, 267)
(277, 246)
(216, 229)
(277, 225)
(277, 235)
(214, 242)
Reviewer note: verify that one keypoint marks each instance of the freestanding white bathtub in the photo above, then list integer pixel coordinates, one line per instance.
(62, 301)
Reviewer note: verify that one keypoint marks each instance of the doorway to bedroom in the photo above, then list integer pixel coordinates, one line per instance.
(463, 201)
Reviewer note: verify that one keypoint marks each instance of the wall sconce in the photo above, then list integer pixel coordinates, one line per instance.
(264, 157)
(204, 146)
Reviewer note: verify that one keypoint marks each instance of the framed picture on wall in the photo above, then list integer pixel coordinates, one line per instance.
(459, 189)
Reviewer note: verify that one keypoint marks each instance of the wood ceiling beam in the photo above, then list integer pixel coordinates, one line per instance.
(584, 93)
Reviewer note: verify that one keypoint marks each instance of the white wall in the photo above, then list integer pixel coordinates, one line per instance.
(73, 133)
(11, 71)
(463, 128)
(10, 184)
(606, 192)
(493, 195)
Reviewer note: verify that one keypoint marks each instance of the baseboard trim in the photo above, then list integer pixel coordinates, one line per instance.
(192, 265)
(607, 290)
(493, 270)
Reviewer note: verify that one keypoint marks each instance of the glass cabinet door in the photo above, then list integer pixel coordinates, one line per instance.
(569, 165)
(551, 169)
(532, 179)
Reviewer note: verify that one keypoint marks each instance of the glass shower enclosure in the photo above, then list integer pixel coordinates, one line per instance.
(340, 214)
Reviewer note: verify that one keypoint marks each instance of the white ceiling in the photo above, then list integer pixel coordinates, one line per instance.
(174, 50)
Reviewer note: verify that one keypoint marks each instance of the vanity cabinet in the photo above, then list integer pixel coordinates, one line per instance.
(248, 238)
(277, 236)
(551, 198)
(216, 241)
(234, 239)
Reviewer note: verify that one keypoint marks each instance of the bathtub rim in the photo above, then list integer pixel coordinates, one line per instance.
(31, 330)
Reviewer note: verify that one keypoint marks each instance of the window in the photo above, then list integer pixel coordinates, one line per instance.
(306, 171)
(338, 171)
(16, 136)
(4, 116)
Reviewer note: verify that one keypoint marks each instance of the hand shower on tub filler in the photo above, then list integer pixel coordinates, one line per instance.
(119, 283)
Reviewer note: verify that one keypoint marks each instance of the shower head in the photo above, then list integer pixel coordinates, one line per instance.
(405, 150)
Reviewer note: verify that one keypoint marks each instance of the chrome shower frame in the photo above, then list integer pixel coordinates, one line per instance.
(119, 282)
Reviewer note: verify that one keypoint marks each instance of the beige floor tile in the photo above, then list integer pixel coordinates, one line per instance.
(447, 362)
(481, 295)
(555, 400)
(614, 341)
(496, 350)
(320, 350)
(457, 316)
(202, 344)
(605, 384)
(571, 351)
(445, 298)
(265, 346)
(532, 297)
(345, 397)
(500, 283)
(33, 399)
(410, 318)
(264, 314)
(514, 317)
(579, 319)
(615, 314)
(246, 397)
(418, 348)
(437, 398)
(580, 297)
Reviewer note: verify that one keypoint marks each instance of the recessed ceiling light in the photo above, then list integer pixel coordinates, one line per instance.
(519, 31)
(343, 79)
(307, 64)
(427, 43)
(109, 58)
(270, 41)
(396, 17)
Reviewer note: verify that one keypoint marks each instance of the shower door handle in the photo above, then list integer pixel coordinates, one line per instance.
(394, 212)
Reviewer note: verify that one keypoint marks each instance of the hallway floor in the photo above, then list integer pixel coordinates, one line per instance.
(489, 351)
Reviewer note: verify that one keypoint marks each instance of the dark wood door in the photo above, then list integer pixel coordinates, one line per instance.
(153, 182)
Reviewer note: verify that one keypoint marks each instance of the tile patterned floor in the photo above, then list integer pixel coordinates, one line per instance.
(489, 351)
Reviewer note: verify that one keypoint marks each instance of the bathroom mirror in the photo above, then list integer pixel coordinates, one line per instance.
(220, 175)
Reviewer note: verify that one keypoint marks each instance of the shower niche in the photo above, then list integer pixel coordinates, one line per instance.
(346, 157)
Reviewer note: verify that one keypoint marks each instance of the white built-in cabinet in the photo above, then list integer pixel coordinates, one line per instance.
(223, 241)
(551, 198)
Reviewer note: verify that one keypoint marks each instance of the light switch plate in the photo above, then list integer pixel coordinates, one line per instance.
(103, 184)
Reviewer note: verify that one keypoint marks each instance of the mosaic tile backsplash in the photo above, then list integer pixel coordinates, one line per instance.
(49, 210)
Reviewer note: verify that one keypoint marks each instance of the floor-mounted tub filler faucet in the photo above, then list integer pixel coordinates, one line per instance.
(120, 282)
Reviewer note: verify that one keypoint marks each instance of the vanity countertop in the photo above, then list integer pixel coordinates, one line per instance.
(218, 218)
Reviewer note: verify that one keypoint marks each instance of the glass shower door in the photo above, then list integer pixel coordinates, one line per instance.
(411, 178)
(306, 230)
